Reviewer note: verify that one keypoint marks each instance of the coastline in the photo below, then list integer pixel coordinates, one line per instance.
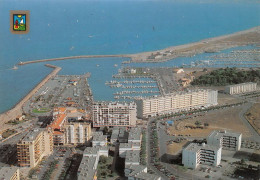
(241, 38)
(17, 109)
(215, 44)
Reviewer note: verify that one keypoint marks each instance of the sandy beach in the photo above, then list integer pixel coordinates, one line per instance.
(241, 38)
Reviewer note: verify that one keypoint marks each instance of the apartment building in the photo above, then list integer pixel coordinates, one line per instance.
(241, 88)
(131, 152)
(68, 128)
(77, 132)
(9, 173)
(225, 139)
(174, 102)
(88, 166)
(99, 139)
(139, 172)
(114, 114)
(34, 146)
(195, 154)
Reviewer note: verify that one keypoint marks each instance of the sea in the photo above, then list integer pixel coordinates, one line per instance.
(86, 27)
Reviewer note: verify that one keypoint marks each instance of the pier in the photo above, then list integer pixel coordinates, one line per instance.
(18, 108)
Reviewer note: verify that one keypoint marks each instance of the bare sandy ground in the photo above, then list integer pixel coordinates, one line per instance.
(227, 119)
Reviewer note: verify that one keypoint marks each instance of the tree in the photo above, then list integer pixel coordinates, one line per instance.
(103, 159)
(206, 124)
(105, 130)
(242, 161)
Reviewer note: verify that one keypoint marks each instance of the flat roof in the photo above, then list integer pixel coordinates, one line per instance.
(135, 134)
(219, 134)
(6, 173)
(31, 135)
(86, 170)
(132, 156)
(194, 147)
(233, 85)
(174, 94)
(98, 136)
(94, 150)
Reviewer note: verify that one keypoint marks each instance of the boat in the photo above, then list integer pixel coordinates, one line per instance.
(115, 65)
(97, 65)
(15, 67)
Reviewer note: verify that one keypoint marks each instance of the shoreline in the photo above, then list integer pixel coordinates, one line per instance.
(241, 38)
(18, 108)
(214, 44)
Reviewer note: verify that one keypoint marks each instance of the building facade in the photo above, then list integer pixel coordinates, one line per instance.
(114, 114)
(195, 154)
(68, 128)
(174, 102)
(34, 146)
(226, 140)
(77, 132)
(241, 88)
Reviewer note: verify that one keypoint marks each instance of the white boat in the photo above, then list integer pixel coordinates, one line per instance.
(115, 65)
(15, 67)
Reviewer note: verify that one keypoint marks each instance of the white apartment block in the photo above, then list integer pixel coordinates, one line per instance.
(241, 88)
(77, 132)
(174, 102)
(88, 166)
(9, 173)
(99, 139)
(114, 114)
(130, 146)
(195, 154)
(226, 140)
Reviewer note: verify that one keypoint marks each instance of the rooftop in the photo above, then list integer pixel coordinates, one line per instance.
(194, 147)
(115, 104)
(219, 134)
(132, 156)
(233, 85)
(6, 173)
(87, 169)
(175, 93)
(31, 135)
(98, 136)
(135, 134)
(94, 150)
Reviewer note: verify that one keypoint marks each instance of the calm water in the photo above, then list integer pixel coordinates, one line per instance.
(63, 28)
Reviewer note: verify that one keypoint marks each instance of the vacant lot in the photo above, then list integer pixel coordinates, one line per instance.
(174, 147)
(253, 116)
(227, 119)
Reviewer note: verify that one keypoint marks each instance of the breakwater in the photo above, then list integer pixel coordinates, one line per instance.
(215, 44)
(71, 57)
(18, 108)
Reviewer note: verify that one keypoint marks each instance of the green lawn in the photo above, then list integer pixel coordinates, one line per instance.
(41, 110)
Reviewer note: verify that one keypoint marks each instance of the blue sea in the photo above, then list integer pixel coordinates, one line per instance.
(67, 28)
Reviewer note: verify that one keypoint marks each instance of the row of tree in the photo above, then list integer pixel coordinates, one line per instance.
(227, 76)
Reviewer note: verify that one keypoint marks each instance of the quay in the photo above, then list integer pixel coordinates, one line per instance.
(18, 108)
